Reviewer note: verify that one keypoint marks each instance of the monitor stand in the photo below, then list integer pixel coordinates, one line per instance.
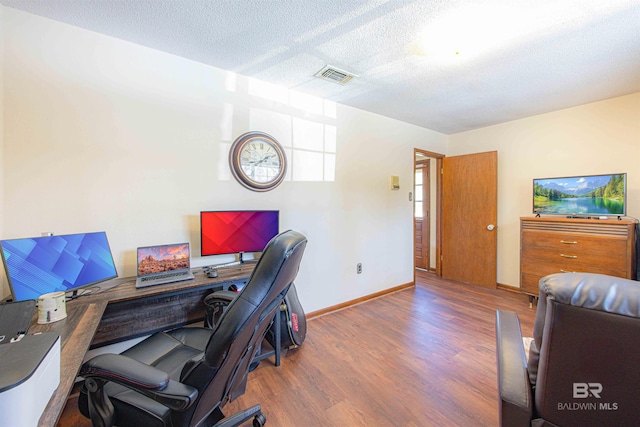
(240, 261)
(243, 261)
(71, 295)
(89, 290)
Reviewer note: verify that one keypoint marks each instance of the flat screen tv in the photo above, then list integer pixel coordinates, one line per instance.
(587, 195)
(40, 265)
(230, 232)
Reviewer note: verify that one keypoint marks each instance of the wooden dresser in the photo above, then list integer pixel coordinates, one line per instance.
(554, 245)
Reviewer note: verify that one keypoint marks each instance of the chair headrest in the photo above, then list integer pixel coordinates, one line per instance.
(594, 291)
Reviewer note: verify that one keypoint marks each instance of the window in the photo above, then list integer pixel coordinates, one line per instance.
(418, 192)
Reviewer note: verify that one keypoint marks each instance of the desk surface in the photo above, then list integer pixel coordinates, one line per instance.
(99, 319)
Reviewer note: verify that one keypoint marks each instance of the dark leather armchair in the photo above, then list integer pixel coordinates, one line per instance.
(584, 361)
(184, 377)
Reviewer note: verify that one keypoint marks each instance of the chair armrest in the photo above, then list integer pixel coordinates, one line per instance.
(514, 389)
(145, 379)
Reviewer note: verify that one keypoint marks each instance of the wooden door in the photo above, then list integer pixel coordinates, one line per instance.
(421, 221)
(469, 214)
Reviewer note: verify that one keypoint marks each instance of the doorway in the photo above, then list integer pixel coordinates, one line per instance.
(426, 202)
(422, 212)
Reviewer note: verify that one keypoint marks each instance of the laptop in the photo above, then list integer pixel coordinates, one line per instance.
(158, 265)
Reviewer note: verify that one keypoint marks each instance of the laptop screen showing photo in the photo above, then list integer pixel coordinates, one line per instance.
(159, 259)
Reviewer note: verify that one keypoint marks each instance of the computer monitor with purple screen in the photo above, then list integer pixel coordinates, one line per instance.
(236, 232)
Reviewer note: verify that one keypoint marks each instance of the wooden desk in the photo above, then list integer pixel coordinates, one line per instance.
(121, 312)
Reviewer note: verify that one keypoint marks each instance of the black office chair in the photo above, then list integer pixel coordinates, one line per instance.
(184, 377)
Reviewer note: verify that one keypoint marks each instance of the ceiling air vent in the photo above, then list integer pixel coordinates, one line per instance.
(335, 74)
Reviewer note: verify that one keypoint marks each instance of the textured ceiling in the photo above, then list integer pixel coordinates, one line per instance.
(520, 58)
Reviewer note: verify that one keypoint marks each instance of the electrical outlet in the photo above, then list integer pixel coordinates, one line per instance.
(359, 268)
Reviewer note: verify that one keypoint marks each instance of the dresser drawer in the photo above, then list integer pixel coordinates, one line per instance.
(559, 265)
(573, 260)
(532, 272)
(573, 242)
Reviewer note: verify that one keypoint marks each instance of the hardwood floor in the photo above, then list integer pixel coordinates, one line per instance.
(422, 356)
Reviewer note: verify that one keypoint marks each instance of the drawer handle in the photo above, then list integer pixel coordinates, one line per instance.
(569, 242)
(569, 256)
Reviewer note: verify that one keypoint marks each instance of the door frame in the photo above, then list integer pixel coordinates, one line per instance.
(438, 175)
(423, 166)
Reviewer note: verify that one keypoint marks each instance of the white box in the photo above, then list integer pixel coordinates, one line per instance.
(29, 374)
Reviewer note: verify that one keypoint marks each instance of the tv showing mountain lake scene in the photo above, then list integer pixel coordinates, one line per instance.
(581, 195)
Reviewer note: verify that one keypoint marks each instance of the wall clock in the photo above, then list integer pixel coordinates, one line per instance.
(257, 161)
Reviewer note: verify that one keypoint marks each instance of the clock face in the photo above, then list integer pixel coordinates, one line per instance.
(257, 161)
(260, 161)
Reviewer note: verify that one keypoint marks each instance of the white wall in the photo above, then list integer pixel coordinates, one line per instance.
(2, 286)
(101, 134)
(601, 137)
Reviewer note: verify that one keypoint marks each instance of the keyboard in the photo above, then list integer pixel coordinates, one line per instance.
(226, 264)
(162, 276)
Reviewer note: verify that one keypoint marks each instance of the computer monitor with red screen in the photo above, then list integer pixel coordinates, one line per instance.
(230, 232)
